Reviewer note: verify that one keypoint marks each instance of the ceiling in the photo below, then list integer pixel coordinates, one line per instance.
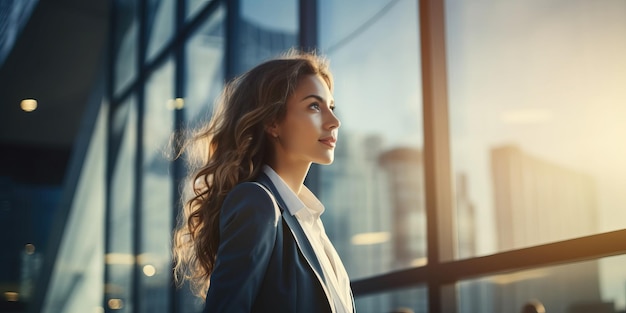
(55, 60)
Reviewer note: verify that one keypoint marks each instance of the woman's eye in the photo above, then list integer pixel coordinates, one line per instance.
(332, 108)
(315, 106)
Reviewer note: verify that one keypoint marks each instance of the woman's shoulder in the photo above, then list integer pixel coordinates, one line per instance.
(250, 195)
(249, 189)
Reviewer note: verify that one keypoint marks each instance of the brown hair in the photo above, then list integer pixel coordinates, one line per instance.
(231, 149)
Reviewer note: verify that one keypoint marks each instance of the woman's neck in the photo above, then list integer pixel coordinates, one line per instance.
(292, 174)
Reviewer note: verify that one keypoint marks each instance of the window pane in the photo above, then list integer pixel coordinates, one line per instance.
(411, 300)
(156, 205)
(120, 258)
(160, 25)
(205, 67)
(374, 191)
(592, 286)
(203, 83)
(125, 44)
(193, 6)
(536, 117)
(77, 283)
(266, 28)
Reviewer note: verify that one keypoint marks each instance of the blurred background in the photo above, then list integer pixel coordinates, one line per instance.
(480, 165)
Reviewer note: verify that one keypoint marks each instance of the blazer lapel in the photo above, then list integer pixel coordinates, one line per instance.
(301, 239)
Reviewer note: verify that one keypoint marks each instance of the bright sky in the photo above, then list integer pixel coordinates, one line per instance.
(548, 76)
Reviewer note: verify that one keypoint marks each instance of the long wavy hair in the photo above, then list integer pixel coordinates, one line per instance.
(231, 148)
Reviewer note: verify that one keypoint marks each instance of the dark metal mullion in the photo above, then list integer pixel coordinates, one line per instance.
(177, 167)
(178, 39)
(308, 41)
(138, 171)
(439, 216)
(570, 251)
(109, 163)
(232, 39)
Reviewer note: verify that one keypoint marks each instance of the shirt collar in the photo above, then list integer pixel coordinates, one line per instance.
(309, 201)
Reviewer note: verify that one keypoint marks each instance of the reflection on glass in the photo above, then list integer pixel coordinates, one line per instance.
(374, 190)
(266, 28)
(157, 201)
(203, 83)
(160, 25)
(125, 44)
(193, 6)
(535, 121)
(120, 259)
(205, 67)
(410, 300)
(592, 286)
(76, 283)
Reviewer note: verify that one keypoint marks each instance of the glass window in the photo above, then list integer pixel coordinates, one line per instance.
(266, 29)
(409, 300)
(194, 6)
(76, 283)
(159, 25)
(205, 67)
(125, 44)
(154, 260)
(536, 120)
(374, 190)
(120, 257)
(592, 286)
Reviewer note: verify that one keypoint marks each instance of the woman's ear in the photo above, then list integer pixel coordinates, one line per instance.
(272, 129)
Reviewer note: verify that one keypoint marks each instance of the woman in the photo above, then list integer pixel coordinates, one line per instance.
(251, 232)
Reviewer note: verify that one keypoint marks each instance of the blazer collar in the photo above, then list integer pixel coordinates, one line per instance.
(301, 238)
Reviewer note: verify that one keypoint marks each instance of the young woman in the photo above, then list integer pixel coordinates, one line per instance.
(250, 231)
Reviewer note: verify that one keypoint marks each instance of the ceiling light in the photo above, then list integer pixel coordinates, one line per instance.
(149, 270)
(28, 105)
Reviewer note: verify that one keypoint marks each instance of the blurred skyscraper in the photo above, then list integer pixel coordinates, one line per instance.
(405, 178)
(537, 201)
(404, 169)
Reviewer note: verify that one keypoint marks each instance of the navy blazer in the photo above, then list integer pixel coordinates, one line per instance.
(265, 263)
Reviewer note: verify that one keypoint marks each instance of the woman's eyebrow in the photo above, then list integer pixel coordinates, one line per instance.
(319, 98)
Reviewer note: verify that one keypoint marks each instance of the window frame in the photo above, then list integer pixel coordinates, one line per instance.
(442, 268)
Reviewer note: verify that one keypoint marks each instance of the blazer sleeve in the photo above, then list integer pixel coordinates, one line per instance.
(248, 229)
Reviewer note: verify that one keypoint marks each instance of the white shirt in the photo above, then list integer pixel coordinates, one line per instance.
(307, 209)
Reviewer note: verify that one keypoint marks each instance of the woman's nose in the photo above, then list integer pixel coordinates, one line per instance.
(332, 120)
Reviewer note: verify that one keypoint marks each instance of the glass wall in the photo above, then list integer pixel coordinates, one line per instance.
(120, 254)
(530, 94)
(375, 188)
(407, 300)
(204, 53)
(153, 260)
(193, 6)
(577, 287)
(178, 92)
(77, 275)
(535, 120)
(264, 30)
(160, 16)
(125, 39)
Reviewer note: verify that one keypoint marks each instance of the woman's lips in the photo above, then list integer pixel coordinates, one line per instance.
(329, 141)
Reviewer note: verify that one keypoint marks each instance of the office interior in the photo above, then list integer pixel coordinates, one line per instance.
(479, 166)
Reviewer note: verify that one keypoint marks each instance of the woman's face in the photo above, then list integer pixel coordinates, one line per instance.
(308, 132)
